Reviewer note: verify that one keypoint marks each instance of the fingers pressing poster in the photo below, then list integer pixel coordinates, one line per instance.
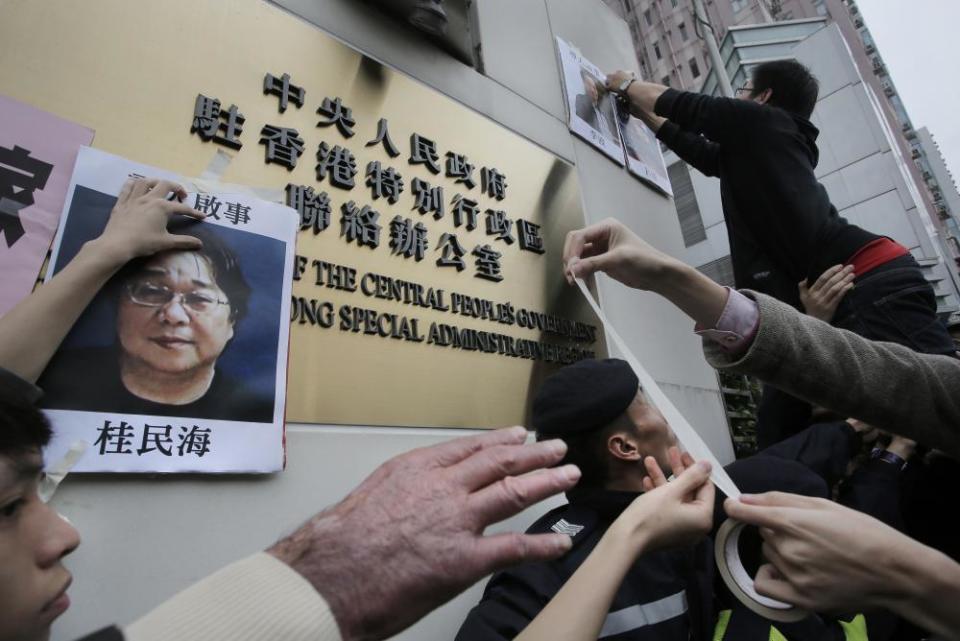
(589, 105)
(179, 363)
(37, 150)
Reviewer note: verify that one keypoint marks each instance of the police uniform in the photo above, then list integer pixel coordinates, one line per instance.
(667, 594)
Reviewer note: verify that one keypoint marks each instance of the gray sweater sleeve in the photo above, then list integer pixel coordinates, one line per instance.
(884, 384)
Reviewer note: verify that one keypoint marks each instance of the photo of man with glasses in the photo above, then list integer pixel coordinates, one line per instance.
(176, 313)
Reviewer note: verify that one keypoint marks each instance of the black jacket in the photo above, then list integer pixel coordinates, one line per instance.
(663, 596)
(781, 224)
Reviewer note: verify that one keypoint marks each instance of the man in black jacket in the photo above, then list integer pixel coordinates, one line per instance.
(781, 225)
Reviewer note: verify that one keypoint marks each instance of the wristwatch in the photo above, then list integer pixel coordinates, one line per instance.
(888, 457)
(621, 89)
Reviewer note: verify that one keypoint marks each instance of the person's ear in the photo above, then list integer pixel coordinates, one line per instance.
(623, 447)
(764, 96)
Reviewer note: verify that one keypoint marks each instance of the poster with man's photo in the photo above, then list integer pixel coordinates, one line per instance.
(644, 156)
(179, 363)
(592, 114)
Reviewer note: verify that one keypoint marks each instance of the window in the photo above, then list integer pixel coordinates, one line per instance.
(682, 28)
(685, 199)
(647, 18)
(738, 5)
(656, 50)
(694, 67)
(665, 81)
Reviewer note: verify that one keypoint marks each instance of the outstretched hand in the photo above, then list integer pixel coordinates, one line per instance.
(822, 556)
(410, 537)
(610, 247)
(138, 222)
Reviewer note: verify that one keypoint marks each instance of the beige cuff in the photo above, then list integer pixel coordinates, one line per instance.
(258, 598)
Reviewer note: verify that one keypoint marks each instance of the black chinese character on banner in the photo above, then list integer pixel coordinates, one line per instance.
(360, 225)
(487, 263)
(237, 214)
(207, 117)
(337, 114)
(529, 236)
(428, 199)
(499, 225)
(156, 438)
(20, 176)
(208, 204)
(115, 439)
(423, 151)
(314, 208)
(493, 183)
(284, 145)
(340, 164)
(464, 210)
(453, 252)
(384, 183)
(194, 440)
(459, 168)
(406, 239)
(282, 87)
(383, 136)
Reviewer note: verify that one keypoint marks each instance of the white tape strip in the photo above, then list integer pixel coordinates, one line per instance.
(54, 474)
(687, 436)
(209, 181)
(727, 554)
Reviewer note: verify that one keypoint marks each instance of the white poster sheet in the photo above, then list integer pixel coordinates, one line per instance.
(179, 363)
(644, 155)
(590, 106)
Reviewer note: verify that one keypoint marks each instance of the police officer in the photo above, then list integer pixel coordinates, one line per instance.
(600, 411)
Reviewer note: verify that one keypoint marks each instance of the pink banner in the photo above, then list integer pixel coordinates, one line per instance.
(37, 152)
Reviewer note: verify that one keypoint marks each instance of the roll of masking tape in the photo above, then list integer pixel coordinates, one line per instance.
(726, 546)
(738, 581)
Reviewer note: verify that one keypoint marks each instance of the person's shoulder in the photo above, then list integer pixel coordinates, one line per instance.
(576, 520)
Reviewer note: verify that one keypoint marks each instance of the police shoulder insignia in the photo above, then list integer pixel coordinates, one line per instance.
(565, 527)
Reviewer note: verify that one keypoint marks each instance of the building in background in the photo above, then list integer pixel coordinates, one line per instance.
(943, 186)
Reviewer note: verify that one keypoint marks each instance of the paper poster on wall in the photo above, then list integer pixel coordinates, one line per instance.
(179, 363)
(589, 105)
(37, 151)
(644, 156)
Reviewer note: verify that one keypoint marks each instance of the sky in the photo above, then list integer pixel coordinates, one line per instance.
(916, 39)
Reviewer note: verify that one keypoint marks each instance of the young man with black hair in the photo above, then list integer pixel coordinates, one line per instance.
(782, 227)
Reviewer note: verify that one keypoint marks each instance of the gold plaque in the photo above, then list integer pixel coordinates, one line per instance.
(418, 318)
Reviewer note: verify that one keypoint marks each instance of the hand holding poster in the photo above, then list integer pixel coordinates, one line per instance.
(589, 105)
(599, 118)
(179, 363)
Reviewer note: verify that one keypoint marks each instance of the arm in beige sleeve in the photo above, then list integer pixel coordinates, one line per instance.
(256, 599)
(884, 384)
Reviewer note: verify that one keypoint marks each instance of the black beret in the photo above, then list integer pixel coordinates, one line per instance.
(583, 397)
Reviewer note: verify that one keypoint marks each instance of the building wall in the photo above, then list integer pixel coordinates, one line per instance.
(146, 537)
